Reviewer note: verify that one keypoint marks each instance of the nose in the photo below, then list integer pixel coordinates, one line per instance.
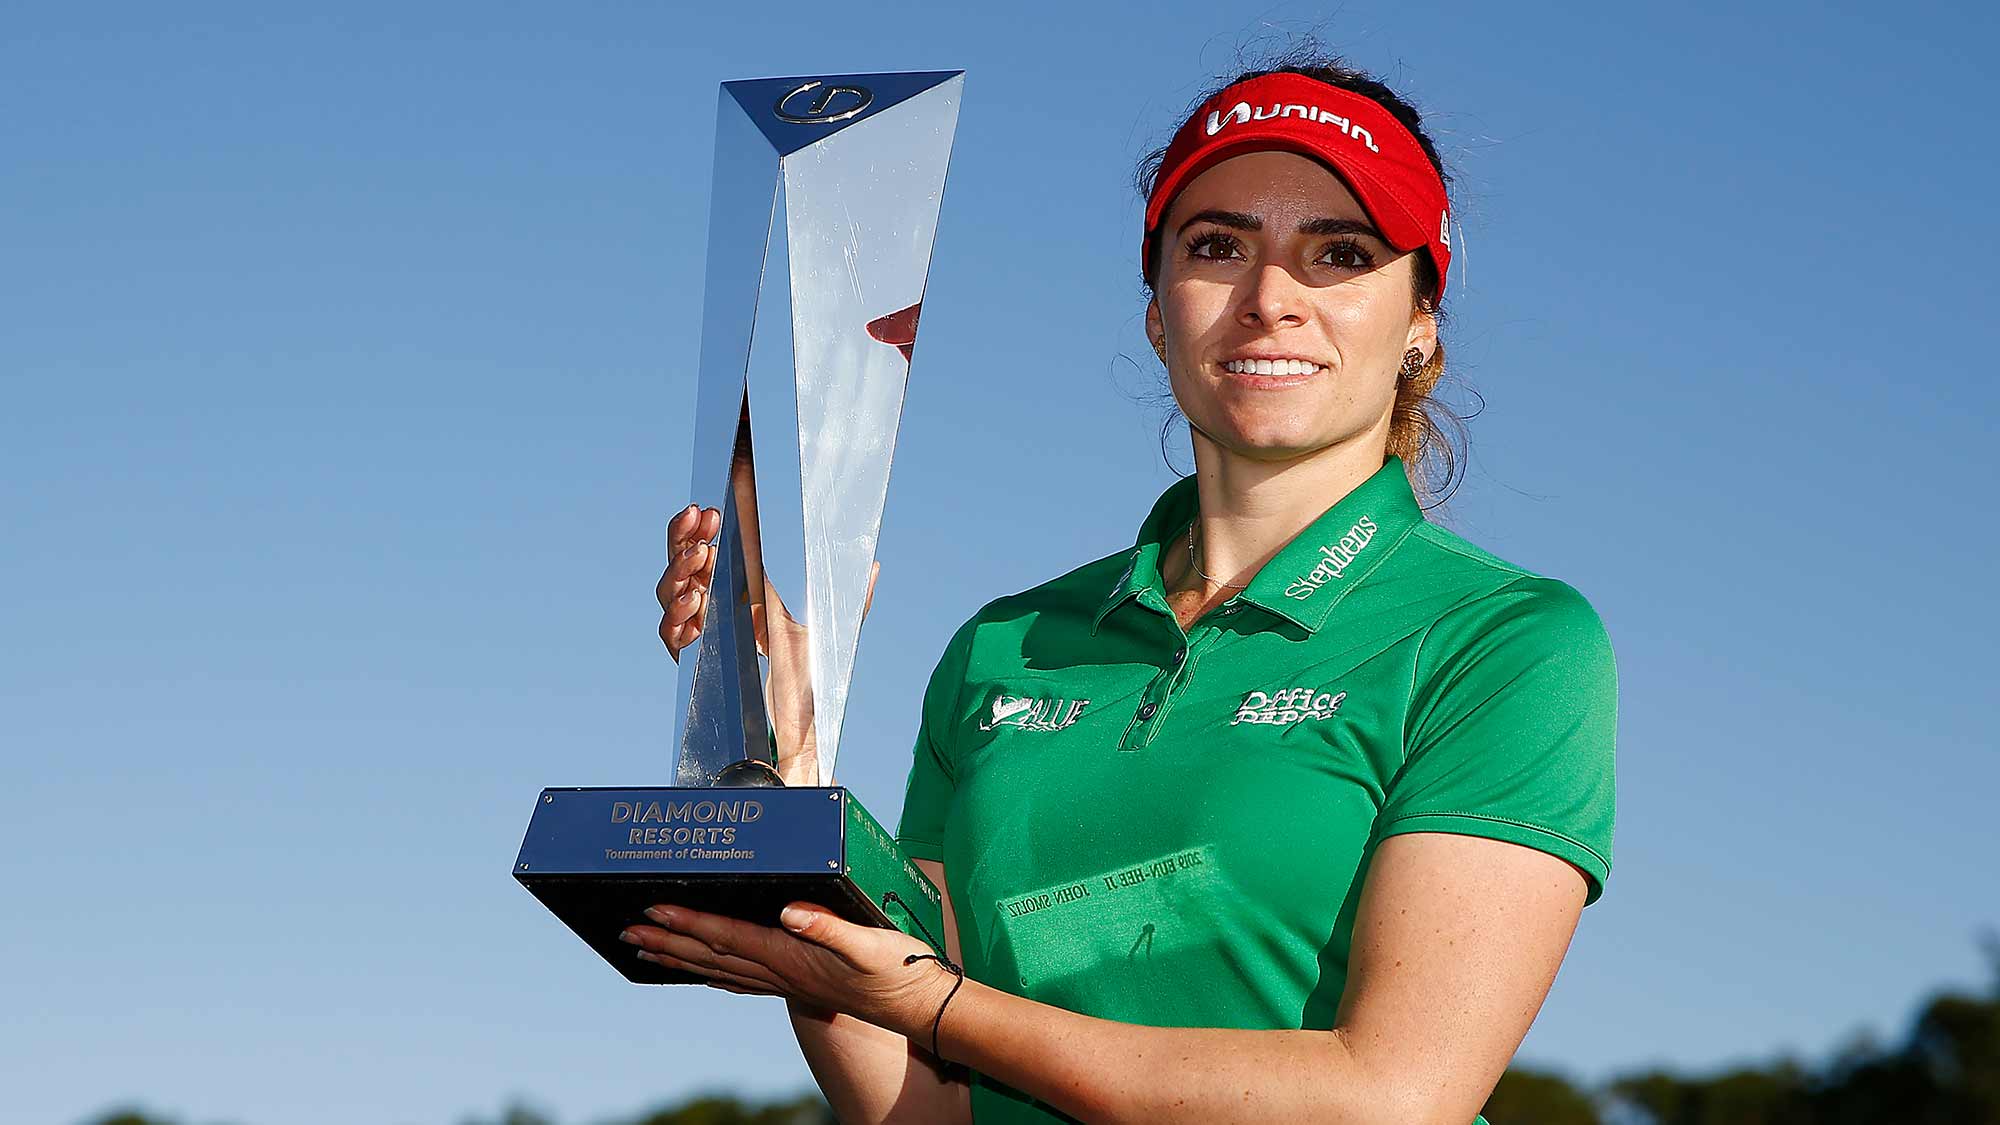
(1273, 298)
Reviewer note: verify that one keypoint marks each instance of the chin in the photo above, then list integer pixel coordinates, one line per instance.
(1273, 445)
(1276, 438)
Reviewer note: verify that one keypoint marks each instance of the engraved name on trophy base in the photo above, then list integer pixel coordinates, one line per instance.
(822, 215)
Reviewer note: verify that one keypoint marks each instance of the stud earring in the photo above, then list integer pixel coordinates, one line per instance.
(1413, 362)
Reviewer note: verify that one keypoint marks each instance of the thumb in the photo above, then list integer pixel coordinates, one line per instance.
(822, 927)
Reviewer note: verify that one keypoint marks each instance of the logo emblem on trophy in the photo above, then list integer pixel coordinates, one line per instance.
(822, 215)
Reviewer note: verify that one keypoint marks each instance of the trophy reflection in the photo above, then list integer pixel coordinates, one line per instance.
(781, 642)
(822, 215)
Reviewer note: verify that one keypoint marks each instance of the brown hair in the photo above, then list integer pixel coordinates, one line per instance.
(1426, 433)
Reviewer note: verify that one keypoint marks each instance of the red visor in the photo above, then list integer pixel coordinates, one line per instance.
(1378, 158)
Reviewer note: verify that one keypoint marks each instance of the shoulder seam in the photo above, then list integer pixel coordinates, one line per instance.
(1442, 540)
(1417, 664)
(1474, 599)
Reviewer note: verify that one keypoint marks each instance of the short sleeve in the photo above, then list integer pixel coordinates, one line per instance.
(1513, 725)
(927, 796)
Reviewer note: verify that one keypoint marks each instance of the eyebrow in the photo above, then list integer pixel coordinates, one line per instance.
(1238, 220)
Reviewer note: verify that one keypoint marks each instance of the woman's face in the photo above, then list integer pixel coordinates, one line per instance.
(1268, 256)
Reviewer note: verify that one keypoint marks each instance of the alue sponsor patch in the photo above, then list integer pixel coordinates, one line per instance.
(1284, 707)
(1028, 712)
(1335, 558)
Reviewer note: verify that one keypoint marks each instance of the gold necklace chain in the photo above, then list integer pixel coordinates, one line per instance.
(1203, 573)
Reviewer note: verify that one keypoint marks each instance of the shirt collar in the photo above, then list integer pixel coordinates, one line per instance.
(1309, 575)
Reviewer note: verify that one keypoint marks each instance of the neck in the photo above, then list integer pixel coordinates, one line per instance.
(1251, 509)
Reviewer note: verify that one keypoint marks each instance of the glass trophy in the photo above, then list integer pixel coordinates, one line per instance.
(822, 215)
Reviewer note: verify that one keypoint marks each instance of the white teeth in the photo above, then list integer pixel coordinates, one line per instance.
(1271, 367)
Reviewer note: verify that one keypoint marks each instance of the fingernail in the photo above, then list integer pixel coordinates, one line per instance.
(645, 956)
(628, 936)
(794, 918)
(663, 917)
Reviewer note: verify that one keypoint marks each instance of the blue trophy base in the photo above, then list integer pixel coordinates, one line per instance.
(598, 857)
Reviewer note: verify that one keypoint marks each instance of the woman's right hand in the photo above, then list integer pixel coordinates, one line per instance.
(683, 589)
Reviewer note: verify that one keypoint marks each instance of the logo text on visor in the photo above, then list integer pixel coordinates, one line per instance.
(1242, 114)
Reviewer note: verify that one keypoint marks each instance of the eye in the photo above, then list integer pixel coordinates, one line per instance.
(1349, 254)
(1211, 238)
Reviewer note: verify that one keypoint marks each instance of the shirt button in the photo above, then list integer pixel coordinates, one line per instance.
(1146, 711)
(1180, 654)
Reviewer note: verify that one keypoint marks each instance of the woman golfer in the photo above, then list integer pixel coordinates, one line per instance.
(1288, 811)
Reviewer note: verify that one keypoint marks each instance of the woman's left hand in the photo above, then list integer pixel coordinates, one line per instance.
(817, 958)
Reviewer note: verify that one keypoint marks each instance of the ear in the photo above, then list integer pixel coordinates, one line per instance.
(1423, 333)
(1156, 328)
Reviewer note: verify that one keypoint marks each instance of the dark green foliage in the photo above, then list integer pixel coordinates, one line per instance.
(1771, 1096)
(715, 1110)
(1945, 1071)
(1542, 1098)
(705, 1109)
(129, 1115)
(514, 1114)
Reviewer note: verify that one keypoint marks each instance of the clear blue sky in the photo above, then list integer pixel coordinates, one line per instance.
(344, 367)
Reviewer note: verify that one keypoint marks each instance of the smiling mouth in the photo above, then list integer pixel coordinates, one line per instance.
(1277, 367)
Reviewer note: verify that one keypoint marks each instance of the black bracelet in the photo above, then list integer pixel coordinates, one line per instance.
(939, 1018)
(951, 1070)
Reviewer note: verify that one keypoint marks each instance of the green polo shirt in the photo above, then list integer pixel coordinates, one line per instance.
(1172, 828)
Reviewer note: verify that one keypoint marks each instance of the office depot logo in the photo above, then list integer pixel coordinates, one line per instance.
(1288, 706)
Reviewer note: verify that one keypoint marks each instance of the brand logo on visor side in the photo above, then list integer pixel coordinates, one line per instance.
(1242, 113)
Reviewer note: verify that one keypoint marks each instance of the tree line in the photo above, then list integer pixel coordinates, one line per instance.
(1943, 1070)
